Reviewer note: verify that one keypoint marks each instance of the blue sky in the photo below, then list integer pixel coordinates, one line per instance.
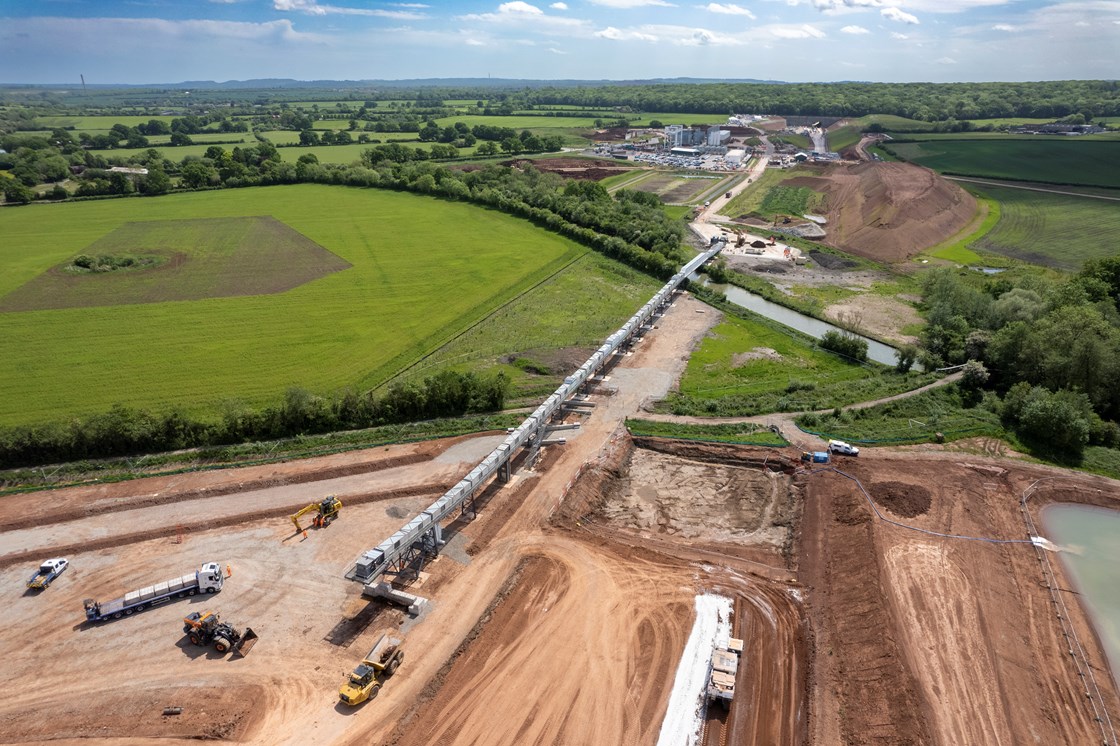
(154, 41)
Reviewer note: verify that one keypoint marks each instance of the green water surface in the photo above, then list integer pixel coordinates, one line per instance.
(1090, 540)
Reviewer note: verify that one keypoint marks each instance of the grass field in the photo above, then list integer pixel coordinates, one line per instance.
(1053, 161)
(94, 124)
(1054, 230)
(423, 271)
(540, 337)
(203, 258)
(748, 366)
(956, 249)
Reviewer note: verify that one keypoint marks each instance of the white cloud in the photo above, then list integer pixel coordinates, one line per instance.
(559, 6)
(554, 50)
(614, 34)
(946, 61)
(900, 37)
(854, 30)
(1004, 27)
(628, 4)
(827, 5)
(475, 43)
(948, 6)
(524, 14)
(729, 9)
(312, 8)
(517, 6)
(409, 5)
(894, 14)
(801, 31)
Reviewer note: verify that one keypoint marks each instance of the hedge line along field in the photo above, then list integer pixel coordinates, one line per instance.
(1052, 161)
(1054, 230)
(422, 271)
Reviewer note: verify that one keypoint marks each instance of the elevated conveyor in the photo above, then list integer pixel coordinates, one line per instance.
(423, 535)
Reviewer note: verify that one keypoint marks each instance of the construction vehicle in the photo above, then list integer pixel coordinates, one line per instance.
(206, 628)
(208, 578)
(379, 664)
(327, 509)
(47, 572)
(722, 671)
(740, 239)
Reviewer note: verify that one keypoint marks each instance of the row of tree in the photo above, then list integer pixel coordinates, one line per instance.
(124, 431)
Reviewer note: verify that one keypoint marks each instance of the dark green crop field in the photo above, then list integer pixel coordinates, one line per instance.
(421, 271)
(1053, 161)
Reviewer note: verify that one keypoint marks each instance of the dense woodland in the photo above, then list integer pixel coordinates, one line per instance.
(1043, 353)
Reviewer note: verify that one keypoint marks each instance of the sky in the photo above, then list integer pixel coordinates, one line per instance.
(170, 41)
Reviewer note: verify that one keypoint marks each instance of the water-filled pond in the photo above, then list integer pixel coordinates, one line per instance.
(1090, 539)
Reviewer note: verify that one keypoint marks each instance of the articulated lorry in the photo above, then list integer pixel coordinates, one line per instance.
(380, 663)
(209, 579)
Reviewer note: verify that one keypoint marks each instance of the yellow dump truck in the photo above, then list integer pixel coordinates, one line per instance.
(380, 663)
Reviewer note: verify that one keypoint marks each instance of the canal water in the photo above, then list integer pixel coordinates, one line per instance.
(815, 328)
(1090, 540)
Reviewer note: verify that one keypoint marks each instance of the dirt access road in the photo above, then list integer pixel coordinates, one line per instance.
(558, 615)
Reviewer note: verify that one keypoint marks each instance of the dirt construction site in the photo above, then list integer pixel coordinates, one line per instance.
(891, 599)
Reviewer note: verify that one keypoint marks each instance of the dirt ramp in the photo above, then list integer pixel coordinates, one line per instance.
(889, 211)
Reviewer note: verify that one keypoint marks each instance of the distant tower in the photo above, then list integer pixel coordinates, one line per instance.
(83, 77)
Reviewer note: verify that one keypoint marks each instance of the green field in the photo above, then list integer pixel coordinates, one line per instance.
(768, 197)
(1053, 161)
(914, 419)
(748, 366)
(541, 336)
(1054, 230)
(97, 123)
(199, 258)
(843, 137)
(891, 123)
(423, 271)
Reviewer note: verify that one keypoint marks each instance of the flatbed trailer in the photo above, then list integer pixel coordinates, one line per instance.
(209, 579)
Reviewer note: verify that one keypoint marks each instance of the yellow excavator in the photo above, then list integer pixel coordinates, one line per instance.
(327, 510)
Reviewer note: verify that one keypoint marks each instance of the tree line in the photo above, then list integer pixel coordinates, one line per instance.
(1044, 353)
(124, 431)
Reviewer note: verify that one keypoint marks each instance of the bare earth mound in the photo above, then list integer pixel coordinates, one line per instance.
(889, 211)
(206, 258)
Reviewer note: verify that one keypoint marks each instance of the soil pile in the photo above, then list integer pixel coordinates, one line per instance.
(889, 211)
(906, 500)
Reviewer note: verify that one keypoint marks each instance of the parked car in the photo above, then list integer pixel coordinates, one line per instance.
(839, 446)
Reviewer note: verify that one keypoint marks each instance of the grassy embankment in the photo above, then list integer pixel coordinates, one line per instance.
(745, 433)
(423, 271)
